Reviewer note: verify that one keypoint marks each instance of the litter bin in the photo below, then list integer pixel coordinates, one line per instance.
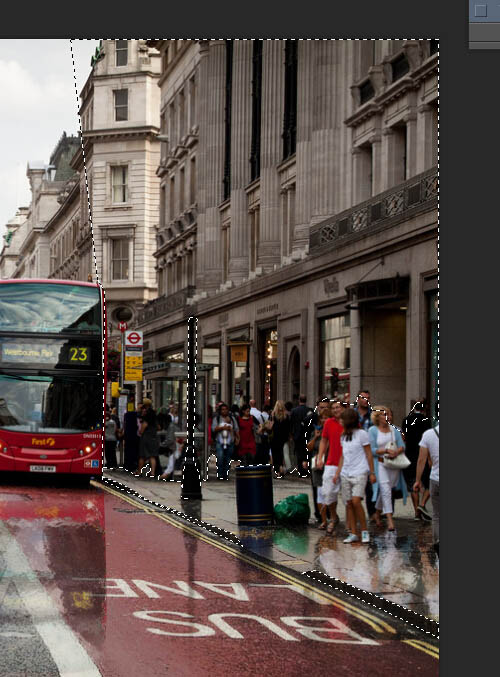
(254, 495)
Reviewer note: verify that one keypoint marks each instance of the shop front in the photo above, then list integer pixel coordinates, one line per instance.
(335, 353)
(169, 382)
(211, 355)
(433, 315)
(268, 364)
(238, 361)
(381, 307)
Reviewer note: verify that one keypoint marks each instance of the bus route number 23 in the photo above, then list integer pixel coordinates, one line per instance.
(78, 354)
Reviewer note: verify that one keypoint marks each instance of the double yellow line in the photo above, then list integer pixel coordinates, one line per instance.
(378, 625)
(423, 646)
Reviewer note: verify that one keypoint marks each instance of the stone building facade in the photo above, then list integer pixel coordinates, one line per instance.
(120, 113)
(13, 237)
(48, 183)
(298, 217)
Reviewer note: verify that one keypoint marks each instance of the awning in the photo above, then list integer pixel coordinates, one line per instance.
(153, 371)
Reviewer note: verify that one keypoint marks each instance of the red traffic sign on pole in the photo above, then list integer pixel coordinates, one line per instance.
(122, 326)
(133, 339)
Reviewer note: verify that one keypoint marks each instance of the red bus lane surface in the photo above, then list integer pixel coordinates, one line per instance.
(144, 593)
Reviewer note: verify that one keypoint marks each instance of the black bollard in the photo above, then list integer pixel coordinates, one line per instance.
(191, 478)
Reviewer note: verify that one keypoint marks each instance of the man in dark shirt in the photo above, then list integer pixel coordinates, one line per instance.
(297, 417)
(131, 437)
(148, 445)
(414, 426)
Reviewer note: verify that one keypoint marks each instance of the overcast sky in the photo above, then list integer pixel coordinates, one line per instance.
(37, 104)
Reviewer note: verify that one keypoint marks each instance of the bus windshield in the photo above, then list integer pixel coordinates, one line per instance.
(49, 308)
(51, 404)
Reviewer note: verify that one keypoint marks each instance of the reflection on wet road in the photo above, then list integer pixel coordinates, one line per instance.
(400, 566)
(94, 584)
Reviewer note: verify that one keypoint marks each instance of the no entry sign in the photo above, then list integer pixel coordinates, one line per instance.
(133, 339)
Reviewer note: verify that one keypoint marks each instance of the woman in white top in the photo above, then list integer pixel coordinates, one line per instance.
(381, 434)
(354, 466)
(429, 449)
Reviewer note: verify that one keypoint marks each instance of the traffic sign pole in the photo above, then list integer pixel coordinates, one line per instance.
(122, 359)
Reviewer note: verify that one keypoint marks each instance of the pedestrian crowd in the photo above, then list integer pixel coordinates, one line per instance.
(353, 451)
(145, 435)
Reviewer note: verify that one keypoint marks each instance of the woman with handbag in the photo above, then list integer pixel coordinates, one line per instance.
(388, 447)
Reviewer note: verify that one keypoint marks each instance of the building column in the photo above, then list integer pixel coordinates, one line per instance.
(327, 164)
(377, 163)
(425, 131)
(356, 347)
(201, 154)
(388, 159)
(358, 166)
(305, 111)
(241, 133)
(411, 145)
(214, 162)
(273, 98)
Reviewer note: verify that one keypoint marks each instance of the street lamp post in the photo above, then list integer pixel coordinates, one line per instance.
(191, 479)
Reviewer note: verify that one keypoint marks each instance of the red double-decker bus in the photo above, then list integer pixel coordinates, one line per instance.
(52, 376)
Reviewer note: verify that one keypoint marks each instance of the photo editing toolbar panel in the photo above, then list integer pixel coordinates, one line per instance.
(484, 24)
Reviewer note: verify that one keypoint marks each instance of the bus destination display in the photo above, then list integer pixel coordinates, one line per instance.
(37, 353)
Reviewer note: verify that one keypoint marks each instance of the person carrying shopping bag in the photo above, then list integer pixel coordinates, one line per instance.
(387, 444)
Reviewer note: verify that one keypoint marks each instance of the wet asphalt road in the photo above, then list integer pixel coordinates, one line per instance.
(96, 583)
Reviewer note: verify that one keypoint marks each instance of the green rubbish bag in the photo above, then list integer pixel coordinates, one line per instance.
(293, 510)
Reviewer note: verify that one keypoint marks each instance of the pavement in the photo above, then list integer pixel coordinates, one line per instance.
(398, 566)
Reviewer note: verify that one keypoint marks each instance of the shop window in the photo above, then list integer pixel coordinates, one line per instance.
(212, 356)
(269, 361)
(335, 356)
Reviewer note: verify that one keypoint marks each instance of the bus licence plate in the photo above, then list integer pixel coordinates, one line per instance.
(42, 468)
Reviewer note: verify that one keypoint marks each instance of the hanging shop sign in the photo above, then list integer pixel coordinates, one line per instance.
(239, 353)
